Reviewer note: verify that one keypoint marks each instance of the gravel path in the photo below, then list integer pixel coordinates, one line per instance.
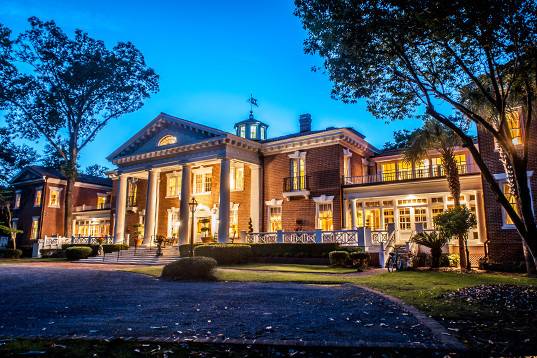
(54, 301)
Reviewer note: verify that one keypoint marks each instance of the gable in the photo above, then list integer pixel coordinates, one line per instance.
(147, 139)
(25, 175)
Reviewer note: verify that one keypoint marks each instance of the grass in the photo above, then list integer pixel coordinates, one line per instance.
(27, 260)
(293, 268)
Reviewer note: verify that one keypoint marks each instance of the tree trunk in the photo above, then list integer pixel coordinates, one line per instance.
(71, 174)
(452, 174)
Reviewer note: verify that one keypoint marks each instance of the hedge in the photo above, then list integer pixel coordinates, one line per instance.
(339, 258)
(294, 250)
(77, 252)
(108, 248)
(184, 249)
(190, 268)
(225, 254)
(10, 253)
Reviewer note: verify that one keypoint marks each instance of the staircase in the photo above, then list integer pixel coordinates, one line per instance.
(139, 256)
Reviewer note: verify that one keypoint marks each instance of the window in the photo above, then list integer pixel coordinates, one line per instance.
(512, 200)
(347, 173)
(263, 131)
(132, 193)
(420, 216)
(17, 199)
(412, 201)
(173, 185)
(298, 171)
(421, 168)
(236, 178)
(388, 171)
(54, 197)
(436, 211)
(242, 131)
(275, 218)
(35, 227)
(234, 221)
(167, 140)
(93, 227)
(325, 216)
(102, 201)
(460, 159)
(203, 180)
(372, 219)
(37, 197)
(404, 219)
(388, 217)
(405, 170)
(253, 131)
(515, 127)
(438, 166)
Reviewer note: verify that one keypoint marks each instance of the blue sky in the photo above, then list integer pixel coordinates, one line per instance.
(210, 56)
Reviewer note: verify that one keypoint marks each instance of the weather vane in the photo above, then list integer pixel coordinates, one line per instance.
(253, 102)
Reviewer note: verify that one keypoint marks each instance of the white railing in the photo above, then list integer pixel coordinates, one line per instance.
(85, 207)
(342, 237)
(57, 242)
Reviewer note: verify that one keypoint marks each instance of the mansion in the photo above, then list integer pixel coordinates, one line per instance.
(328, 180)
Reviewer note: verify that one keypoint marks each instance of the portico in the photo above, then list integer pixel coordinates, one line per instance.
(155, 181)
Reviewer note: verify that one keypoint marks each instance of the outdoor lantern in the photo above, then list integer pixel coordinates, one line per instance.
(193, 204)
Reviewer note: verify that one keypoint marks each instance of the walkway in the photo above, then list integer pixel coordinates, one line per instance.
(47, 301)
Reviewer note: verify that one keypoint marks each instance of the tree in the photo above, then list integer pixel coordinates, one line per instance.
(76, 86)
(435, 136)
(96, 170)
(433, 240)
(404, 56)
(7, 227)
(13, 157)
(401, 138)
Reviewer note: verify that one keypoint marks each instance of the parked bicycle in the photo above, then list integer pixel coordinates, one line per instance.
(396, 262)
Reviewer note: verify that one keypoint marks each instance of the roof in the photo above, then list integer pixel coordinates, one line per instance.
(250, 119)
(300, 134)
(49, 172)
(397, 151)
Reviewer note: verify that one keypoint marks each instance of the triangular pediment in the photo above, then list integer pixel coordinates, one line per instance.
(182, 131)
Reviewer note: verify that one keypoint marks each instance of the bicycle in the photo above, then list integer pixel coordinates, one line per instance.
(396, 262)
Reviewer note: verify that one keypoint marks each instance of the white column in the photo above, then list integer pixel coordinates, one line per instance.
(184, 211)
(121, 206)
(151, 205)
(353, 214)
(223, 207)
(255, 196)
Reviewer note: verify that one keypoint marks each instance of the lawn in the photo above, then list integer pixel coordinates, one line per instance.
(28, 260)
(487, 327)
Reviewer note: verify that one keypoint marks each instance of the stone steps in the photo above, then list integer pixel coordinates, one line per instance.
(140, 256)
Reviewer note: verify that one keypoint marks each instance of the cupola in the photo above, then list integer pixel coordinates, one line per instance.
(251, 128)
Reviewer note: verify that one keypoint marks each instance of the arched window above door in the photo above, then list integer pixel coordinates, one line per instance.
(167, 140)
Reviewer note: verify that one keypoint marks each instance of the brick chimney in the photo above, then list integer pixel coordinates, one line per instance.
(305, 122)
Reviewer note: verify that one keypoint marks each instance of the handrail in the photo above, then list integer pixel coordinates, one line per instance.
(296, 183)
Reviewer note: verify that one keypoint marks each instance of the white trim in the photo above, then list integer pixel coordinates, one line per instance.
(274, 202)
(347, 152)
(323, 199)
(203, 170)
(91, 186)
(297, 155)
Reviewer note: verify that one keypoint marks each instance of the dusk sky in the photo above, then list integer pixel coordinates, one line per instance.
(210, 56)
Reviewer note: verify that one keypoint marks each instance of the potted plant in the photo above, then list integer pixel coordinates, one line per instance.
(100, 250)
(205, 237)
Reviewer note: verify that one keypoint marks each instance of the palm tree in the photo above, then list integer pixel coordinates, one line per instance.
(433, 240)
(435, 136)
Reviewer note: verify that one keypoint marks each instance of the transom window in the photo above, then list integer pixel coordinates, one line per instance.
(167, 140)
(173, 184)
(412, 201)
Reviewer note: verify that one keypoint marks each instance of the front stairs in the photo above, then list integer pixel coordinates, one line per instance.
(139, 256)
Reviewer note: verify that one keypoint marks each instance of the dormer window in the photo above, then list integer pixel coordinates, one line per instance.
(167, 140)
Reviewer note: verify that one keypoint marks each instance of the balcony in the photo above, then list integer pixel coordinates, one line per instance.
(296, 186)
(425, 173)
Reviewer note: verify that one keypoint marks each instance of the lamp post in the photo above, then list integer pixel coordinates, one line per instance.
(193, 204)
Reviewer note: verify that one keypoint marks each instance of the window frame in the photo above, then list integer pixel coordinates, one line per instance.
(58, 192)
(206, 174)
(177, 177)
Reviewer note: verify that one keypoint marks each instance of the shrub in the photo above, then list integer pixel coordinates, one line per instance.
(421, 260)
(360, 260)
(339, 258)
(77, 252)
(225, 254)
(184, 249)
(294, 250)
(434, 241)
(10, 253)
(512, 266)
(108, 248)
(52, 253)
(454, 260)
(190, 268)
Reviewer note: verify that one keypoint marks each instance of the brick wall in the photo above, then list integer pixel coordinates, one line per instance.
(504, 244)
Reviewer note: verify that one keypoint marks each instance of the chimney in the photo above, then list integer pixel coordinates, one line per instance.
(305, 122)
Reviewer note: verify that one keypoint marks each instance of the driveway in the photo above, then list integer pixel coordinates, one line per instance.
(45, 301)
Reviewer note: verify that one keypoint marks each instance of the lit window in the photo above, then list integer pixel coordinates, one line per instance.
(54, 198)
(132, 193)
(436, 211)
(438, 166)
(372, 218)
(102, 201)
(37, 197)
(203, 182)
(421, 168)
(405, 170)
(263, 132)
(388, 217)
(404, 219)
(275, 218)
(325, 217)
(167, 140)
(347, 172)
(234, 221)
(515, 127)
(173, 185)
(388, 171)
(298, 173)
(512, 200)
(35, 227)
(242, 131)
(253, 131)
(236, 178)
(17, 199)
(460, 160)
(420, 216)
